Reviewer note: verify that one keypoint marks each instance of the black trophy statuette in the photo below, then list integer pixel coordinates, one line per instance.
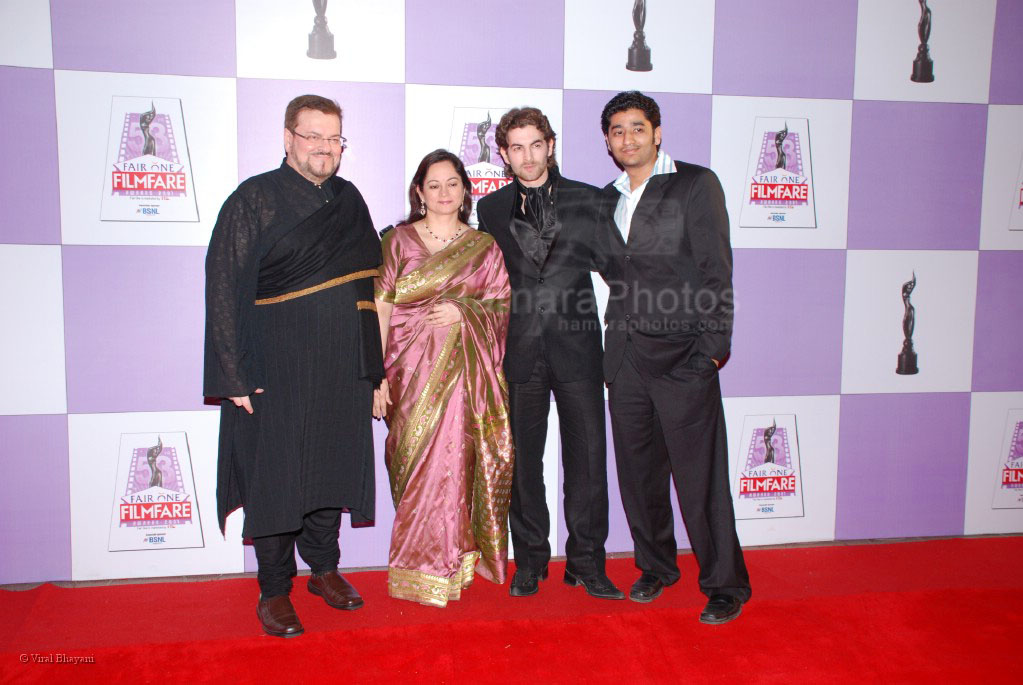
(156, 475)
(481, 135)
(321, 40)
(907, 358)
(923, 65)
(779, 140)
(768, 434)
(145, 121)
(639, 52)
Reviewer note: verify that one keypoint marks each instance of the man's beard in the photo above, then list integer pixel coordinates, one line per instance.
(320, 166)
(530, 175)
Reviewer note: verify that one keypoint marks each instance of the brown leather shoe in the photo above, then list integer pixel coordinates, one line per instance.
(335, 590)
(278, 617)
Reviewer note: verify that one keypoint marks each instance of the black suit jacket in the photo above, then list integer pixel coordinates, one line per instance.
(671, 284)
(554, 302)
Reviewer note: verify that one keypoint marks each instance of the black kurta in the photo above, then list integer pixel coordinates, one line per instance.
(308, 445)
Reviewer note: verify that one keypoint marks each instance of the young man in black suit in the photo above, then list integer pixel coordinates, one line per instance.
(545, 225)
(666, 256)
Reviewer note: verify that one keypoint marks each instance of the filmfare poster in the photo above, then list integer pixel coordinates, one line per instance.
(148, 173)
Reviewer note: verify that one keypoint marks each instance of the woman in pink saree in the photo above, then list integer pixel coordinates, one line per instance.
(442, 298)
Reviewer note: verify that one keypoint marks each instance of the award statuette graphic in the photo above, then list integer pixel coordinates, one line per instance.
(156, 475)
(639, 52)
(481, 136)
(779, 139)
(907, 357)
(155, 503)
(923, 65)
(768, 445)
(321, 40)
(768, 482)
(778, 189)
(145, 122)
(472, 137)
(1009, 475)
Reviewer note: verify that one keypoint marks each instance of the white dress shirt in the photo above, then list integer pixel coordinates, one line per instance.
(630, 197)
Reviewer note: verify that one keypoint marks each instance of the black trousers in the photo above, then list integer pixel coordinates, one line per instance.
(317, 543)
(674, 425)
(584, 462)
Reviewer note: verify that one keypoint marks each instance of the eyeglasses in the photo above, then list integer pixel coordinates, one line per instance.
(314, 140)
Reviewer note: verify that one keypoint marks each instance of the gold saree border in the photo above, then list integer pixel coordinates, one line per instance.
(334, 282)
(494, 305)
(366, 304)
(422, 421)
(491, 498)
(426, 588)
(412, 285)
(491, 493)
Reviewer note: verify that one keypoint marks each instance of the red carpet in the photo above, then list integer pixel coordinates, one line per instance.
(942, 610)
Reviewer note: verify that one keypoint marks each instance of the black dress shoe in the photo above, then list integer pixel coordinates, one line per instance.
(647, 588)
(721, 609)
(526, 582)
(278, 617)
(599, 585)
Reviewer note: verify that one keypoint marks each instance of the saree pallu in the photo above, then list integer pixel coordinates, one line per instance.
(448, 451)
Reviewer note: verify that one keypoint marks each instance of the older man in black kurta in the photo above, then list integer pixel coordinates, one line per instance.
(292, 344)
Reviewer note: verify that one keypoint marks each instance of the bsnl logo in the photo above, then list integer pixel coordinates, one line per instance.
(148, 211)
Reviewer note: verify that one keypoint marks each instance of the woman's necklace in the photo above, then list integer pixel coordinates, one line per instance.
(444, 240)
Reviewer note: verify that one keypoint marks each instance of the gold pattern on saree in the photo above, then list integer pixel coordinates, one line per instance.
(498, 305)
(491, 472)
(435, 272)
(490, 512)
(340, 280)
(366, 304)
(425, 414)
(426, 588)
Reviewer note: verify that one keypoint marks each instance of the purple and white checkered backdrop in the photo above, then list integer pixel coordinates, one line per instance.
(103, 323)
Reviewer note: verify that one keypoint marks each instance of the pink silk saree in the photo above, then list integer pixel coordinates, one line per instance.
(449, 450)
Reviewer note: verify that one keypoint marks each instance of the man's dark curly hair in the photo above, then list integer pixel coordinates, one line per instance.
(520, 117)
(630, 99)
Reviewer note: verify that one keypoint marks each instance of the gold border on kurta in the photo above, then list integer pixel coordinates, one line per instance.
(340, 280)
